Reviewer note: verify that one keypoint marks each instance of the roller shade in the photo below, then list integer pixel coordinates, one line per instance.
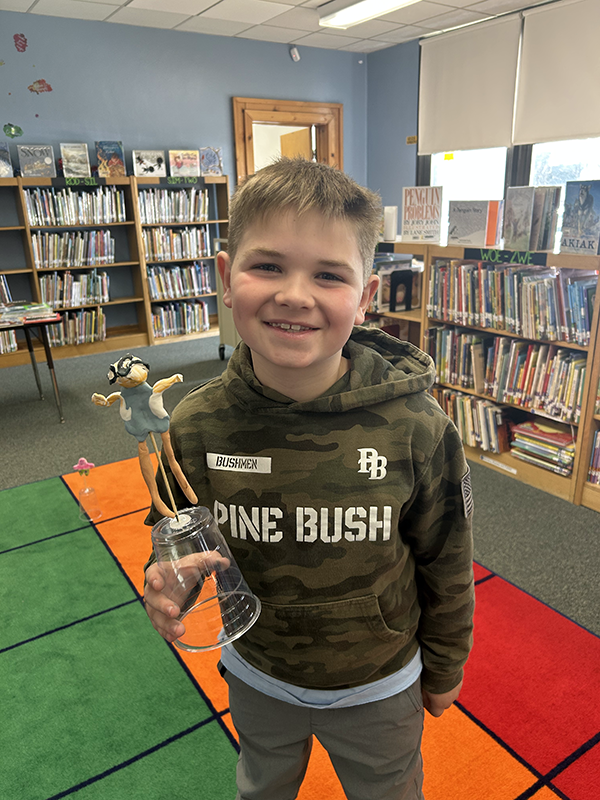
(559, 77)
(467, 87)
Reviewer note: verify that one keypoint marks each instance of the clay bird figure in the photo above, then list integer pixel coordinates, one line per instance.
(142, 410)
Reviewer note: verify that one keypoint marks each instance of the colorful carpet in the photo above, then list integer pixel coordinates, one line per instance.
(96, 704)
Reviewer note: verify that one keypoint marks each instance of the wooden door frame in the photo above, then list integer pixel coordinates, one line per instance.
(327, 117)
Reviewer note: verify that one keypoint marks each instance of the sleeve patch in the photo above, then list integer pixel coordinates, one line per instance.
(467, 494)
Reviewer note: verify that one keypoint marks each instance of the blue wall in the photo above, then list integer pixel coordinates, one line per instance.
(392, 103)
(154, 88)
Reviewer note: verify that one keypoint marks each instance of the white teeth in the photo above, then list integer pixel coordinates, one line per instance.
(286, 327)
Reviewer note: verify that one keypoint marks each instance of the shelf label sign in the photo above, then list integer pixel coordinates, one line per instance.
(81, 182)
(505, 256)
(181, 179)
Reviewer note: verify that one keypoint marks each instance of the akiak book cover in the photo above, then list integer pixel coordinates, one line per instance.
(184, 163)
(111, 159)
(581, 220)
(149, 163)
(36, 160)
(75, 160)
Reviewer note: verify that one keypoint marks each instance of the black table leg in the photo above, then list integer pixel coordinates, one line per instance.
(33, 361)
(50, 362)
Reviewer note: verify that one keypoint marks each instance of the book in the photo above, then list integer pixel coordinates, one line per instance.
(6, 169)
(111, 159)
(546, 203)
(421, 213)
(75, 160)
(581, 220)
(473, 223)
(385, 266)
(518, 217)
(184, 163)
(36, 160)
(211, 161)
(149, 163)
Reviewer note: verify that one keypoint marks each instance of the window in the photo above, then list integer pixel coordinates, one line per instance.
(555, 163)
(468, 175)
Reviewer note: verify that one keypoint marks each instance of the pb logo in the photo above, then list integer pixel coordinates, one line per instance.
(371, 461)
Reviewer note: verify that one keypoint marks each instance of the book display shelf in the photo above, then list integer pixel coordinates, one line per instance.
(178, 221)
(449, 325)
(82, 245)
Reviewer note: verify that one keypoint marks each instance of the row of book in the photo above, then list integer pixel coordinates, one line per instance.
(171, 283)
(479, 422)
(81, 327)
(537, 303)
(8, 342)
(5, 295)
(597, 406)
(65, 290)
(73, 249)
(165, 244)
(539, 377)
(179, 319)
(103, 205)
(168, 206)
(37, 160)
(594, 471)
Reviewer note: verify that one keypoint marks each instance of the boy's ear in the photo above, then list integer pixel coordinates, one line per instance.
(224, 267)
(371, 287)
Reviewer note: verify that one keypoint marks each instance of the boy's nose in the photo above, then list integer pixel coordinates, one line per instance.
(294, 292)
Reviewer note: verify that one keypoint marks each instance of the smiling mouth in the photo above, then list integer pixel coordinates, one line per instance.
(286, 326)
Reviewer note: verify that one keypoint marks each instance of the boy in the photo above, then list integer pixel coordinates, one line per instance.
(351, 520)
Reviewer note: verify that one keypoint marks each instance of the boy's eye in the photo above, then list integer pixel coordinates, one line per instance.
(267, 267)
(329, 276)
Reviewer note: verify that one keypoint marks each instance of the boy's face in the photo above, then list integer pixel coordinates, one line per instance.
(296, 289)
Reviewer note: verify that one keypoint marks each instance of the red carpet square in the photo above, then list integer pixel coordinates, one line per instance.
(532, 677)
(480, 572)
(581, 781)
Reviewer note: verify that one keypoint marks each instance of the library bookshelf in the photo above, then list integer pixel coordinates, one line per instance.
(31, 240)
(575, 488)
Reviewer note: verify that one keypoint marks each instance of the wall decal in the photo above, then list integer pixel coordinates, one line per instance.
(20, 42)
(12, 130)
(40, 86)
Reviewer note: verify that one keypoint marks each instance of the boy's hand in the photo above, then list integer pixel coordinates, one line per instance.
(165, 592)
(436, 704)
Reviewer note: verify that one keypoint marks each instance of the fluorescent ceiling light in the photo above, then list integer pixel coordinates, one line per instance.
(345, 13)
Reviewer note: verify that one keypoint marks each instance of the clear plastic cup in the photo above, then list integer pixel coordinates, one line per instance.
(203, 579)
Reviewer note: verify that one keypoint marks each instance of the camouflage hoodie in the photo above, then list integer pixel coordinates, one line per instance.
(349, 516)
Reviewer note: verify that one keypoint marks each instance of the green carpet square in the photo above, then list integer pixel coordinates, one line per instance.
(56, 582)
(199, 765)
(88, 698)
(35, 511)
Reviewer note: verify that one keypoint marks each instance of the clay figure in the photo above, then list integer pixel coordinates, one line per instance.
(142, 410)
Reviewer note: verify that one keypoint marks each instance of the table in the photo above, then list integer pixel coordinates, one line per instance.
(42, 324)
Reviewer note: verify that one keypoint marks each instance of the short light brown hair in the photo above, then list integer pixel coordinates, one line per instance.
(300, 185)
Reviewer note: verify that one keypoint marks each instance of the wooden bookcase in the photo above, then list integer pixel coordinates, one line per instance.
(575, 488)
(128, 312)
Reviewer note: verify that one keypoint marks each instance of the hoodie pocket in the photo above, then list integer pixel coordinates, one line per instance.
(322, 645)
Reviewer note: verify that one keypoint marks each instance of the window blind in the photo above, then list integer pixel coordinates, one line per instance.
(559, 75)
(467, 87)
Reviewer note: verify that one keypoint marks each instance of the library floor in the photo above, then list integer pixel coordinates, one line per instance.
(96, 705)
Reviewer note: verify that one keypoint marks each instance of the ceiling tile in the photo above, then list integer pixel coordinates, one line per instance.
(415, 13)
(450, 20)
(73, 8)
(404, 34)
(367, 46)
(214, 27)
(269, 33)
(499, 6)
(146, 18)
(15, 5)
(304, 19)
(325, 40)
(290, 2)
(252, 11)
(312, 3)
(188, 7)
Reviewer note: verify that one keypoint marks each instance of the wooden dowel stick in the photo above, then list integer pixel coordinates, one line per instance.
(164, 474)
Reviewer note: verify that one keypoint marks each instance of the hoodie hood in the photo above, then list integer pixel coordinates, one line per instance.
(381, 368)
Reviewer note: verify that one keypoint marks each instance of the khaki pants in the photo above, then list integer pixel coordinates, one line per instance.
(375, 748)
